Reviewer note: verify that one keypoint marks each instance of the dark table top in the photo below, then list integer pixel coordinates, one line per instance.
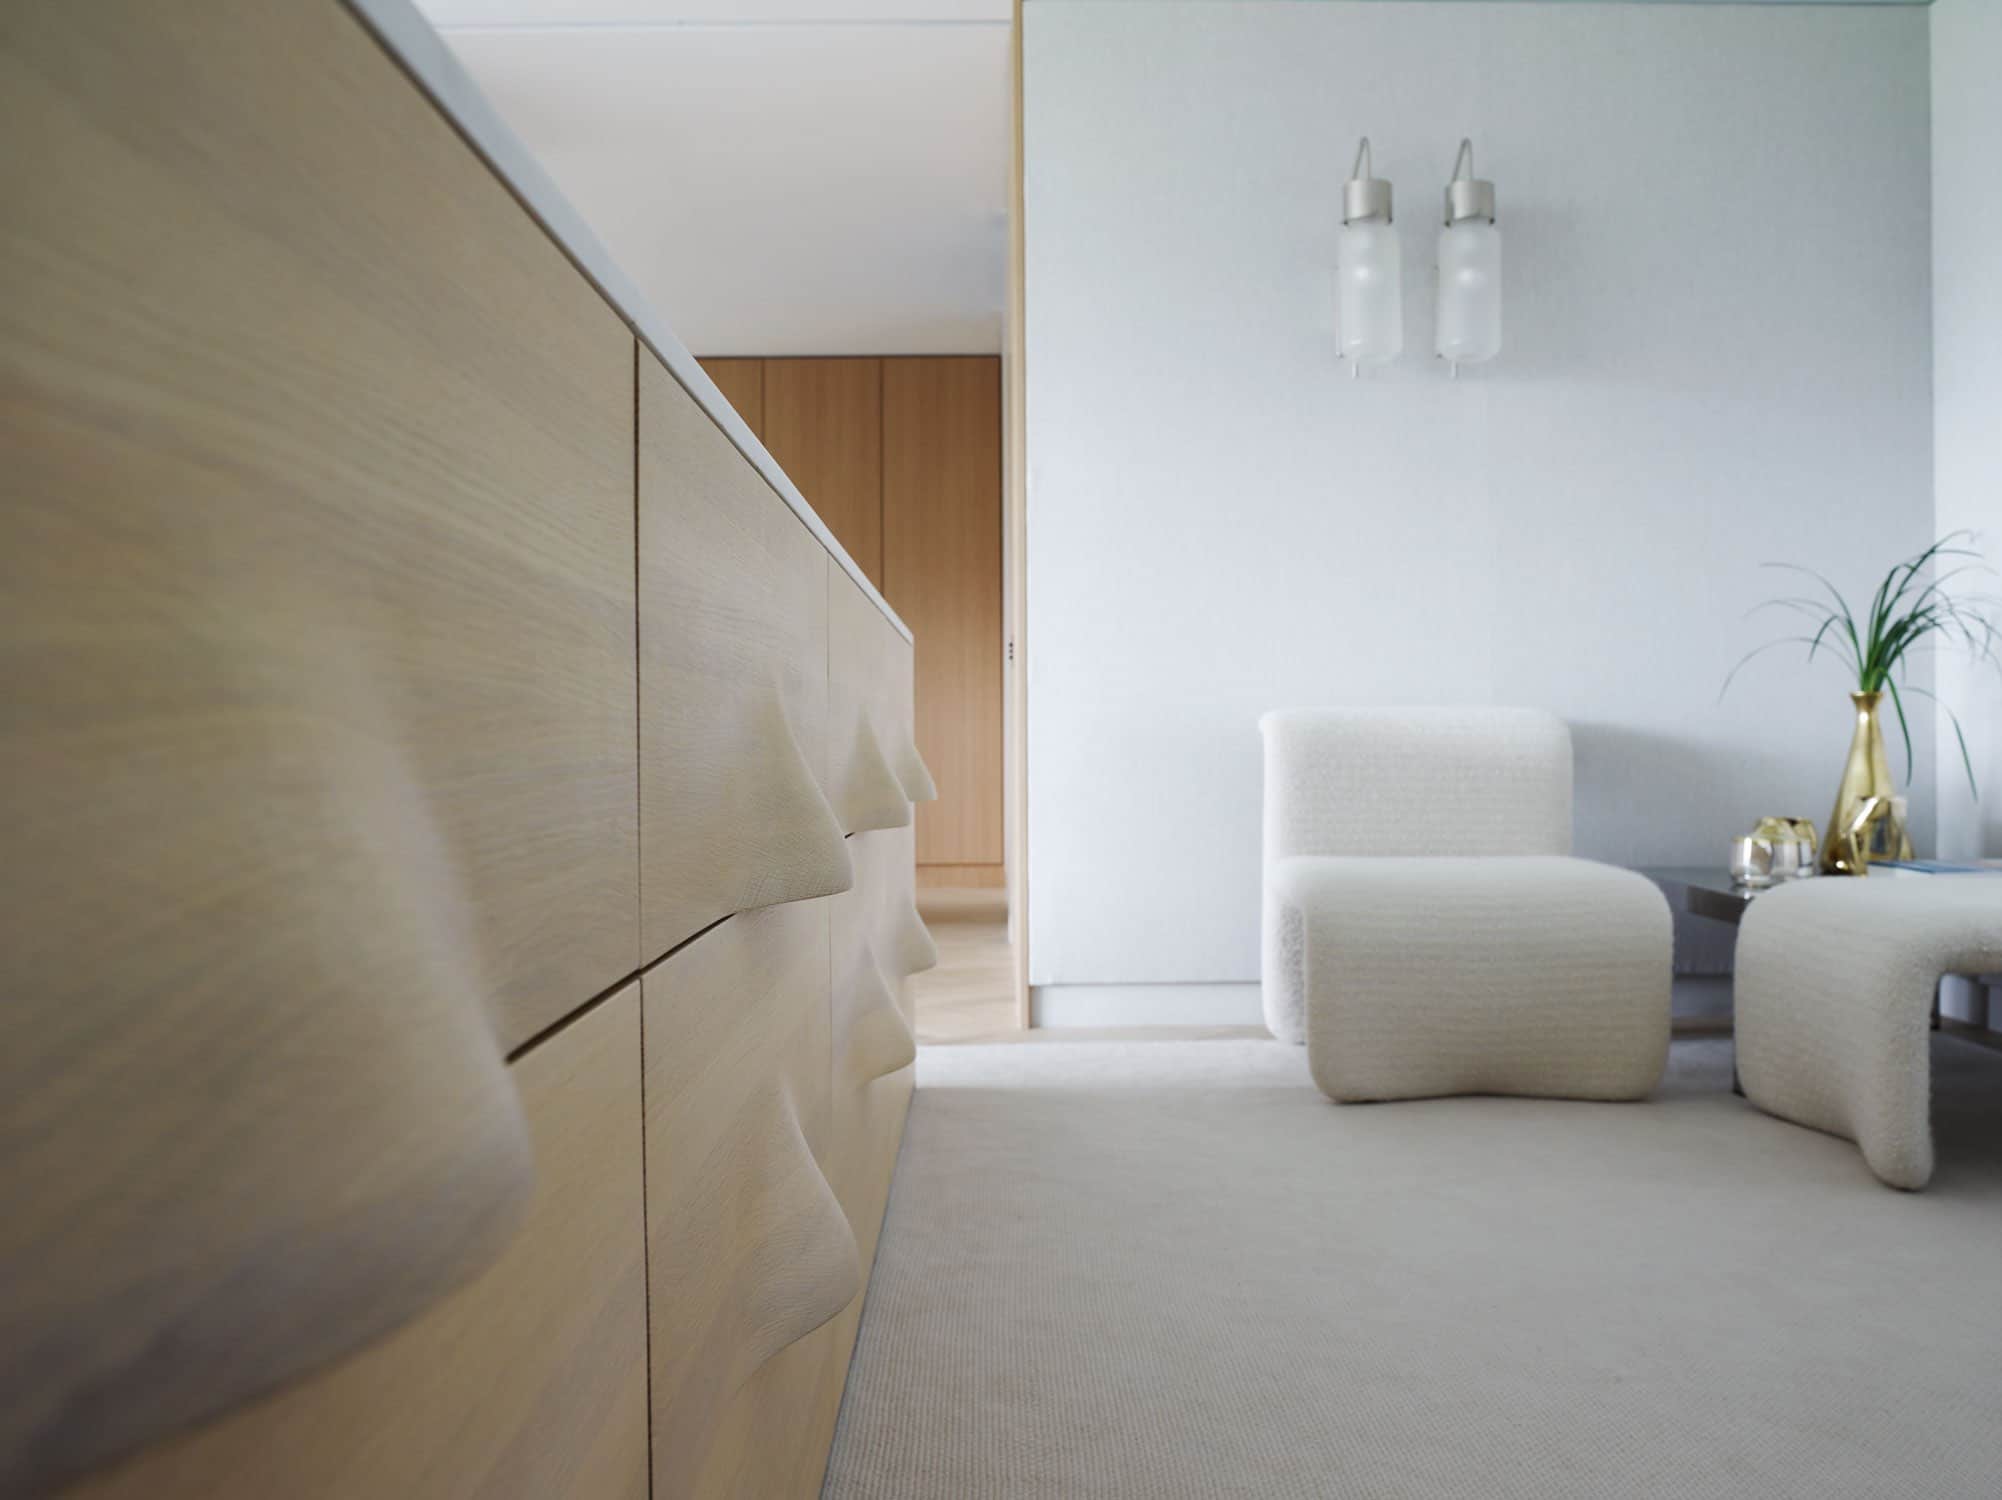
(1706, 892)
(1703, 891)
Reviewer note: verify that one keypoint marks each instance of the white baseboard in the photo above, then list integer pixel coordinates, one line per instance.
(1057, 1006)
(1063, 1005)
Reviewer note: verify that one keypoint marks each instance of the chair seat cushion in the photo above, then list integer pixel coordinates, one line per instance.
(1531, 974)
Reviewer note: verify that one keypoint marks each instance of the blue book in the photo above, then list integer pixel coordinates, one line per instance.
(1935, 867)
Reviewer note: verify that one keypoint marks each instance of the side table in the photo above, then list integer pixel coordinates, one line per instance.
(1704, 892)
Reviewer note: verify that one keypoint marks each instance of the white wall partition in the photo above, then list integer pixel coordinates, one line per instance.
(1967, 405)
(1717, 350)
(1967, 380)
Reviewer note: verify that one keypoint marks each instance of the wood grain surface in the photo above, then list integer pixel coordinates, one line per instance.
(742, 382)
(877, 938)
(528, 1383)
(942, 572)
(869, 713)
(748, 1249)
(870, 1032)
(733, 680)
(317, 711)
(823, 422)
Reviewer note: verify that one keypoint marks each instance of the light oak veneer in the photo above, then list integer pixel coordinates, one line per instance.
(749, 1248)
(528, 1383)
(877, 937)
(872, 1076)
(378, 625)
(871, 793)
(874, 771)
(316, 703)
(778, 1075)
(872, 1079)
(733, 680)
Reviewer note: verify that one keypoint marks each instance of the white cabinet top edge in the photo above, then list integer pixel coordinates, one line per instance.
(409, 38)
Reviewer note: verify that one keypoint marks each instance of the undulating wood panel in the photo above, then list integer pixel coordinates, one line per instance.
(878, 938)
(527, 1383)
(317, 749)
(902, 941)
(878, 944)
(871, 1026)
(733, 681)
(874, 770)
(749, 1252)
(742, 382)
(823, 422)
(942, 574)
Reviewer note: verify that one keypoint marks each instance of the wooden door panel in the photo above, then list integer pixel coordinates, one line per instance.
(942, 574)
(742, 382)
(824, 424)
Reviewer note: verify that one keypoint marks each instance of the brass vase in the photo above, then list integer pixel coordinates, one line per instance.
(1865, 824)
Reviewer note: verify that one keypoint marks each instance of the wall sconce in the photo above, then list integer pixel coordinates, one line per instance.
(1369, 271)
(1470, 313)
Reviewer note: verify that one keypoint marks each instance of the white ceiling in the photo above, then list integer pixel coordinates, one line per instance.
(777, 176)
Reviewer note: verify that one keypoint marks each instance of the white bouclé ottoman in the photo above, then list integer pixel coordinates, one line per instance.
(1833, 1002)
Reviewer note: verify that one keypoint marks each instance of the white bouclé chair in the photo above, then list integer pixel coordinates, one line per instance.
(1426, 931)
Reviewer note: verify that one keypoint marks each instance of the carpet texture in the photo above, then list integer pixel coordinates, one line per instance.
(1166, 1269)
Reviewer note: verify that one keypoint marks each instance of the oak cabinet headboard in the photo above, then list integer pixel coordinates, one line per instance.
(400, 667)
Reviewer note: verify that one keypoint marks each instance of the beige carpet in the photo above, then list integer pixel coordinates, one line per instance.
(1173, 1269)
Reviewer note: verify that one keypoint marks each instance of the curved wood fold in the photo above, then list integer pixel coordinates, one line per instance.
(879, 1038)
(529, 1381)
(914, 774)
(766, 1259)
(872, 796)
(911, 947)
(733, 644)
(803, 1268)
(346, 1141)
(789, 844)
(749, 1251)
(317, 758)
(871, 1039)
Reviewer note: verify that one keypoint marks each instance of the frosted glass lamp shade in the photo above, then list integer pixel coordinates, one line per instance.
(1370, 275)
(1470, 309)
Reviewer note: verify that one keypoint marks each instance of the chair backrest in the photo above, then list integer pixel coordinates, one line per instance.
(1372, 781)
(1423, 781)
